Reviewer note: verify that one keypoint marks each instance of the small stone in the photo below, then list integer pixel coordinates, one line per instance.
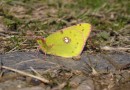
(76, 81)
(86, 85)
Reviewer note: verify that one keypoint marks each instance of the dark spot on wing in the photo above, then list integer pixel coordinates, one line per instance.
(79, 24)
(82, 29)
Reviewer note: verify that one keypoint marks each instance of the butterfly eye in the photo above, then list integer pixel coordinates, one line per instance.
(66, 40)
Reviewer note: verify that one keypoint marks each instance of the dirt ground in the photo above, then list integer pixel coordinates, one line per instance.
(92, 72)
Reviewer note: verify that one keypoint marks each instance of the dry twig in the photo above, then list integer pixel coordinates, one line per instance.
(26, 74)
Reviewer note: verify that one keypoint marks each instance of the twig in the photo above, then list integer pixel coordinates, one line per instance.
(22, 62)
(16, 46)
(35, 71)
(26, 74)
(115, 48)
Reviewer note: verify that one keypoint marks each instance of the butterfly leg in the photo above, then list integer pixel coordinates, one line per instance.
(37, 51)
(44, 57)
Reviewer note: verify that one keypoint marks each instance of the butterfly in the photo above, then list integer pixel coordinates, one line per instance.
(68, 42)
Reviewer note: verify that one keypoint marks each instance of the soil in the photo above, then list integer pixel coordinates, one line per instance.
(92, 72)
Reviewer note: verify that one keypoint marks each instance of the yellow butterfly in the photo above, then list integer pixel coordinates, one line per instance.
(68, 42)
